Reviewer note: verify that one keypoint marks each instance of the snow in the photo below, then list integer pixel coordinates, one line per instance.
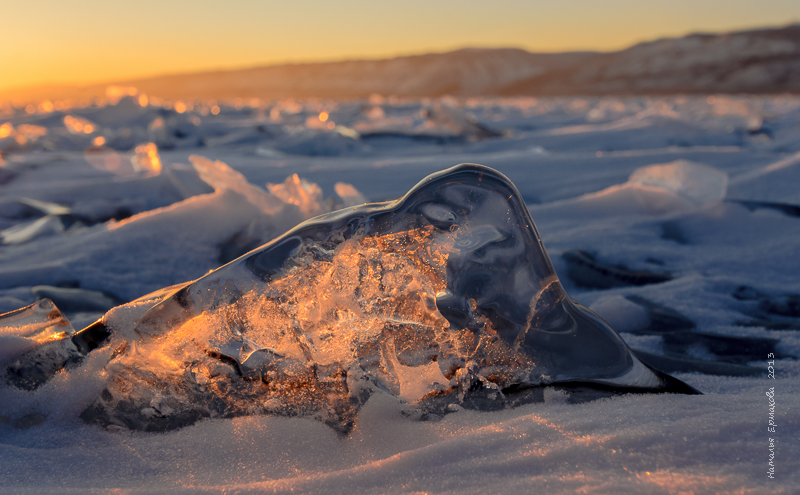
(668, 185)
(698, 183)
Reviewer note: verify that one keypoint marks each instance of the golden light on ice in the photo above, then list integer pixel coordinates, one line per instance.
(78, 125)
(146, 158)
(298, 192)
(72, 124)
(332, 311)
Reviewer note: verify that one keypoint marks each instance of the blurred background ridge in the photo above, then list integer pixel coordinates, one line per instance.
(759, 61)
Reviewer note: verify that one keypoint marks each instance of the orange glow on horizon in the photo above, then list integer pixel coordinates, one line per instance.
(69, 43)
(115, 92)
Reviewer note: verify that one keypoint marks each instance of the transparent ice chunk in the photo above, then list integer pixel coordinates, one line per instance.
(349, 195)
(307, 196)
(221, 177)
(622, 313)
(175, 130)
(46, 207)
(443, 120)
(35, 344)
(41, 321)
(439, 120)
(145, 159)
(444, 296)
(24, 232)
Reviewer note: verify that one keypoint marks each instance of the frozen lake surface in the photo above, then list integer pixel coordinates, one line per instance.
(676, 219)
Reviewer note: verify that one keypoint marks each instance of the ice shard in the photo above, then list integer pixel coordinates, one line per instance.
(35, 344)
(443, 296)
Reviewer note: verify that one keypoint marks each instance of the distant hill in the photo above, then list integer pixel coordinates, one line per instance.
(754, 61)
(757, 61)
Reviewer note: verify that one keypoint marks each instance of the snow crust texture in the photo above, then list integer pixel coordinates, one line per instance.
(674, 219)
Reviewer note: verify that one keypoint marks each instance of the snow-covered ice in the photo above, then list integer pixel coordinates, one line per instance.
(674, 218)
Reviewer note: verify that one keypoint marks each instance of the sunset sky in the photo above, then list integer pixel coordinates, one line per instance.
(79, 42)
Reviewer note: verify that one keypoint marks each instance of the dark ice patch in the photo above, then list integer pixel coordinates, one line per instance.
(587, 271)
(773, 312)
(785, 208)
(74, 299)
(736, 350)
(685, 364)
(671, 231)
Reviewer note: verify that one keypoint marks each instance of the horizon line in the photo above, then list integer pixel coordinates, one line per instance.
(365, 58)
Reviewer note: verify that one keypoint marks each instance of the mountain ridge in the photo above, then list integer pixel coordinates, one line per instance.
(761, 61)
